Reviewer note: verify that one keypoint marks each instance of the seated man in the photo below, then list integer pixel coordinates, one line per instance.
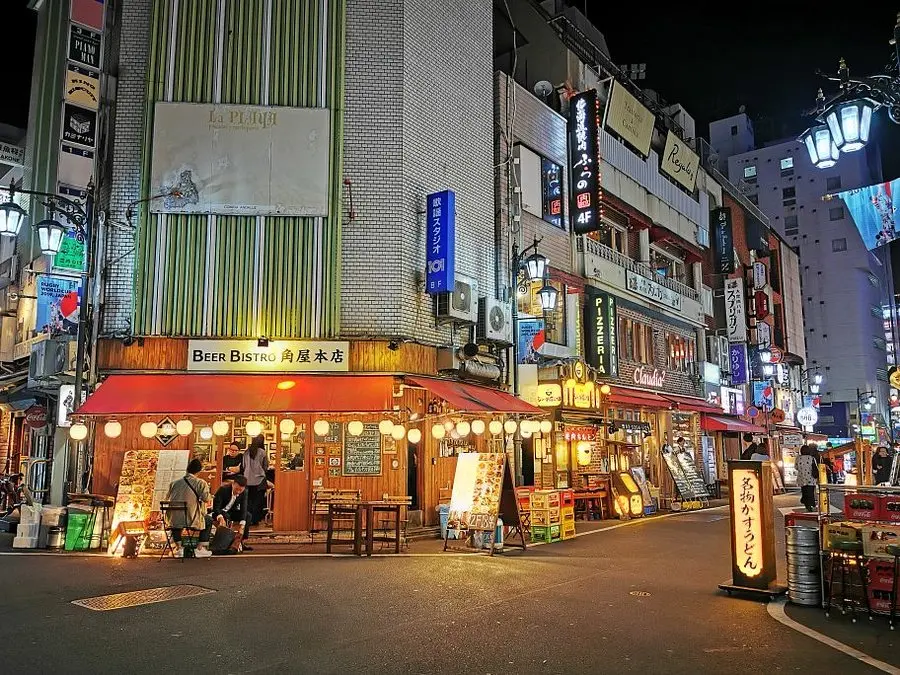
(10, 493)
(230, 505)
(194, 492)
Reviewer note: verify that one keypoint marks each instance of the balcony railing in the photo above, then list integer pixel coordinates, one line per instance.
(594, 247)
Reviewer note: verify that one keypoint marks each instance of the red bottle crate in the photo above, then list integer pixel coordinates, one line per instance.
(566, 498)
(862, 506)
(881, 575)
(880, 601)
(890, 508)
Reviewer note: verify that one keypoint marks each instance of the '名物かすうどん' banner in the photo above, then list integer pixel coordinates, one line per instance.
(874, 210)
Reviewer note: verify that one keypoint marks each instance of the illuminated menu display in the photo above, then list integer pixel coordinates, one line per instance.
(746, 523)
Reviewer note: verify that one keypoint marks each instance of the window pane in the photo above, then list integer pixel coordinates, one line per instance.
(749, 171)
(837, 213)
(787, 163)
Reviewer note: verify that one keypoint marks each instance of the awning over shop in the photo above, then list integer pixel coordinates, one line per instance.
(695, 404)
(719, 423)
(473, 398)
(625, 396)
(188, 394)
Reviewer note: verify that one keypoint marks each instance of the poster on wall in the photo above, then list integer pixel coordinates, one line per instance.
(531, 339)
(58, 301)
(874, 210)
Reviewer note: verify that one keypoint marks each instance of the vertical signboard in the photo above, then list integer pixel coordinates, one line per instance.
(723, 241)
(584, 162)
(440, 242)
(735, 310)
(600, 321)
(737, 359)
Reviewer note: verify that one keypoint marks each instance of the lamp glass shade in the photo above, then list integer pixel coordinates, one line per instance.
(355, 428)
(11, 218)
(112, 429)
(814, 388)
(509, 426)
(385, 426)
(398, 432)
(206, 433)
(850, 124)
(438, 431)
(50, 235)
(818, 378)
(548, 296)
(78, 431)
(495, 427)
(321, 427)
(546, 426)
(536, 266)
(478, 427)
(149, 429)
(765, 356)
(834, 126)
(287, 426)
(873, 399)
(768, 370)
(463, 428)
(254, 428)
(414, 435)
(220, 427)
(823, 151)
(184, 427)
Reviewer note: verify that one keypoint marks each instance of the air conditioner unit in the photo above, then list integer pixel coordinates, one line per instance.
(494, 322)
(50, 360)
(460, 306)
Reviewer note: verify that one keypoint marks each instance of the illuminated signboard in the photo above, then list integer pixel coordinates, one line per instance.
(723, 241)
(735, 310)
(551, 189)
(440, 245)
(747, 523)
(584, 162)
(600, 331)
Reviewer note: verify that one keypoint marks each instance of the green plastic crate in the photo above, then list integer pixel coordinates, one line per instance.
(546, 534)
(79, 529)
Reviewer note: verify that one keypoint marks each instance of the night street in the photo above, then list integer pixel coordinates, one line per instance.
(639, 598)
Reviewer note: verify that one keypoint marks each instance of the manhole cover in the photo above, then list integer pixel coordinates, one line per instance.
(640, 594)
(105, 603)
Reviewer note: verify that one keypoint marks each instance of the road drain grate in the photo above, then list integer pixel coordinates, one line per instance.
(105, 603)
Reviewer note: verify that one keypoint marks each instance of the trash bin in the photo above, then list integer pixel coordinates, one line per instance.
(804, 565)
(444, 515)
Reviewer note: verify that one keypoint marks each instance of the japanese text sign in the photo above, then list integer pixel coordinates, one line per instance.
(723, 241)
(735, 310)
(737, 361)
(279, 356)
(584, 162)
(440, 242)
(752, 524)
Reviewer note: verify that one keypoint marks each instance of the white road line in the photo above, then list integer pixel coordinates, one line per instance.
(776, 611)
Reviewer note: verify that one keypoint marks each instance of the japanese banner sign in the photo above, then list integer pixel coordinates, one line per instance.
(584, 164)
(278, 356)
(723, 241)
(440, 236)
(752, 524)
(737, 361)
(735, 310)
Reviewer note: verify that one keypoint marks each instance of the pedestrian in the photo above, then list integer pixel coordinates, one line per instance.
(231, 462)
(230, 507)
(751, 448)
(881, 466)
(807, 477)
(193, 492)
(761, 453)
(11, 493)
(253, 468)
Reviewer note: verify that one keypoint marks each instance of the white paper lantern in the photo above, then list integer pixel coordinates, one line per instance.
(220, 427)
(287, 426)
(322, 427)
(385, 426)
(414, 435)
(448, 425)
(524, 433)
(355, 428)
(254, 428)
(463, 428)
(112, 429)
(438, 431)
(546, 426)
(78, 431)
(184, 427)
(206, 433)
(495, 427)
(509, 426)
(478, 427)
(398, 432)
(149, 429)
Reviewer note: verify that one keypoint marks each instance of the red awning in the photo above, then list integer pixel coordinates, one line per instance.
(717, 423)
(473, 398)
(695, 404)
(188, 394)
(625, 396)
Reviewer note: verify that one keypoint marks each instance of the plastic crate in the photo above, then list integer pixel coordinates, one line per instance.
(546, 534)
(841, 532)
(876, 538)
(567, 514)
(567, 499)
(544, 499)
(880, 575)
(545, 517)
(862, 506)
(568, 532)
(78, 532)
(890, 508)
(880, 601)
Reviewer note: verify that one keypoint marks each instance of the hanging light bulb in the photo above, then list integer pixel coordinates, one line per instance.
(322, 427)
(438, 431)
(398, 432)
(509, 426)
(546, 426)
(385, 426)
(414, 435)
(149, 429)
(78, 431)
(454, 434)
(495, 427)
(355, 428)
(254, 428)
(184, 427)
(478, 427)
(287, 426)
(112, 429)
(206, 433)
(220, 427)
(448, 425)
(463, 428)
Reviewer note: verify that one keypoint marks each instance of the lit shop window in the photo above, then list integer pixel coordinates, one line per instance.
(635, 341)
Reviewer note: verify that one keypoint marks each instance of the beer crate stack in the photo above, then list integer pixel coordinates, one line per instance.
(567, 513)
(546, 525)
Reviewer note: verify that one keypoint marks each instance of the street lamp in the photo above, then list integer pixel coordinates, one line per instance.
(11, 218)
(822, 150)
(850, 124)
(50, 235)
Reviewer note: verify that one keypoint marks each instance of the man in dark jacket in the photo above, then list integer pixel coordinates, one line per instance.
(750, 449)
(230, 504)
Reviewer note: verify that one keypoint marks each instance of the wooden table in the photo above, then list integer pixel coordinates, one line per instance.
(357, 509)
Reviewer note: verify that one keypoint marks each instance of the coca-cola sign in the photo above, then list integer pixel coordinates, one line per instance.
(36, 417)
(649, 377)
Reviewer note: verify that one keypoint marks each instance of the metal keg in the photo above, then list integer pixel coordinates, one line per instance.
(804, 566)
(56, 537)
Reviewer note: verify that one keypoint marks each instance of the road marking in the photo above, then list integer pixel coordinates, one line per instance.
(776, 611)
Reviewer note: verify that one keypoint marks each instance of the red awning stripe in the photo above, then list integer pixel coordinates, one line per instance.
(473, 398)
(197, 394)
(695, 404)
(626, 396)
(717, 423)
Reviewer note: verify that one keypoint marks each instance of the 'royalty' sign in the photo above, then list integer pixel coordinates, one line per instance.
(584, 167)
(440, 243)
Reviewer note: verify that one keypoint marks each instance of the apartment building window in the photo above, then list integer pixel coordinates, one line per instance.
(615, 237)
(837, 213)
(833, 183)
(680, 352)
(838, 245)
(787, 167)
(540, 180)
(734, 129)
(791, 226)
(635, 341)
(667, 264)
(789, 196)
(750, 171)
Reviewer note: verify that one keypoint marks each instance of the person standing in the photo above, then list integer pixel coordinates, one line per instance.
(254, 467)
(193, 492)
(751, 448)
(807, 477)
(881, 466)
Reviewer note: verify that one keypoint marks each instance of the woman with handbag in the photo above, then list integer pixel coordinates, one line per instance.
(253, 467)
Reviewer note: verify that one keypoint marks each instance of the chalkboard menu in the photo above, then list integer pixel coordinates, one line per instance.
(698, 485)
(362, 454)
(681, 481)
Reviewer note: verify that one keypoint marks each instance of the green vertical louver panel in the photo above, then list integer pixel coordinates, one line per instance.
(233, 287)
(242, 67)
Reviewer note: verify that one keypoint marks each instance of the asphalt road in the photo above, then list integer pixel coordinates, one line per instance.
(564, 608)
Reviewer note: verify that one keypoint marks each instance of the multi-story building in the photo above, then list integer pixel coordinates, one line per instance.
(843, 284)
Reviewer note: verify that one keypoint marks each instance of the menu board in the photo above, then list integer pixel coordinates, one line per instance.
(144, 480)
(681, 481)
(477, 488)
(698, 485)
(362, 454)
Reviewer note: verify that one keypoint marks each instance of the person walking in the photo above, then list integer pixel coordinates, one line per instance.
(881, 466)
(194, 493)
(807, 477)
(254, 467)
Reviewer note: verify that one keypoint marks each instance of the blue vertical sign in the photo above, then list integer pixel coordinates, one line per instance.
(440, 242)
(737, 359)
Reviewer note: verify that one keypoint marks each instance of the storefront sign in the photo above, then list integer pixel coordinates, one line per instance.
(549, 395)
(777, 415)
(440, 258)
(763, 395)
(737, 360)
(583, 395)
(82, 87)
(747, 522)
(760, 275)
(580, 433)
(629, 119)
(279, 356)
(807, 417)
(36, 417)
(652, 290)
(57, 305)
(680, 162)
(551, 191)
(723, 241)
(11, 154)
(66, 404)
(735, 310)
(733, 401)
(761, 304)
(712, 373)
(79, 125)
(84, 46)
(784, 400)
(584, 164)
(763, 335)
(649, 377)
(600, 323)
